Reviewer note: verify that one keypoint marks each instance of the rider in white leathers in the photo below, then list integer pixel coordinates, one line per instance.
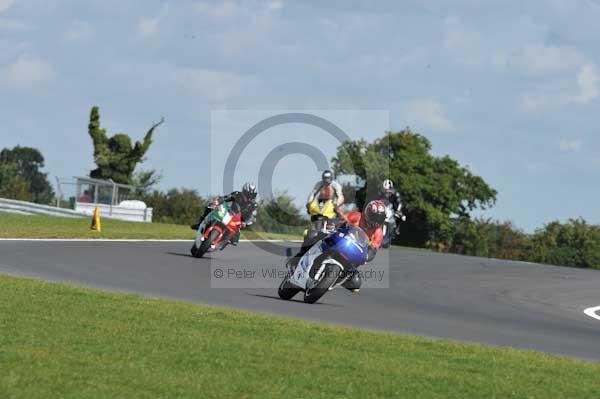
(390, 194)
(326, 181)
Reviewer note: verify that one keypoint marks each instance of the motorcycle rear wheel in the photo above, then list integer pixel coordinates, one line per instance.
(287, 290)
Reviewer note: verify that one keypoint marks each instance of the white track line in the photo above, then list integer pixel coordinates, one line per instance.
(592, 312)
(120, 240)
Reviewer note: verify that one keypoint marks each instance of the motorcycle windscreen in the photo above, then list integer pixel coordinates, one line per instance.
(222, 213)
(351, 242)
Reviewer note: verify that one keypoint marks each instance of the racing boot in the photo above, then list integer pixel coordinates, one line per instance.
(235, 239)
(353, 283)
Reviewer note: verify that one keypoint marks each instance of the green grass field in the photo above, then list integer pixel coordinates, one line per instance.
(20, 226)
(59, 341)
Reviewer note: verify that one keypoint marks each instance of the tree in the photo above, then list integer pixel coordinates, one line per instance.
(279, 215)
(433, 189)
(27, 163)
(115, 157)
(144, 180)
(13, 186)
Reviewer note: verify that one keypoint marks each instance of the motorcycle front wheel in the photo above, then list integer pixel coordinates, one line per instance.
(205, 245)
(328, 277)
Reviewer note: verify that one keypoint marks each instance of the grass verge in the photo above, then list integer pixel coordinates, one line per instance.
(21, 226)
(59, 341)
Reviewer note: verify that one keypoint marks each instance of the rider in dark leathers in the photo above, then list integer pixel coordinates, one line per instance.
(244, 201)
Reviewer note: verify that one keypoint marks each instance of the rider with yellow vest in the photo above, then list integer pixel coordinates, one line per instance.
(324, 188)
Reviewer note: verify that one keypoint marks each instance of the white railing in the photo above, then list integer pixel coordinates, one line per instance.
(29, 208)
(83, 210)
(116, 212)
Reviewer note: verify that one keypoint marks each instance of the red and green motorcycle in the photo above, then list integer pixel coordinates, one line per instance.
(215, 231)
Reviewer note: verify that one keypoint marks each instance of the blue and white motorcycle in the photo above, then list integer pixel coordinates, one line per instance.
(327, 264)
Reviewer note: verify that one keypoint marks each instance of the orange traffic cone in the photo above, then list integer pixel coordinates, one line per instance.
(96, 225)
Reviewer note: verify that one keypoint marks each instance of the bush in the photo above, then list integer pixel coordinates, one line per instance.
(279, 215)
(487, 238)
(178, 206)
(575, 243)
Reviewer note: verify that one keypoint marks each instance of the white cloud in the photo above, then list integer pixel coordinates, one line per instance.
(535, 168)
(26, 72)
(150, 26)
(216, 10)
(275, 4)
(329, 23)
(242, 25)
(457, 36)
(539, 59)
(569, 144)
(587, 79)
(5, 4)
(566, 76)
(13, 25)
(463, 100)
(464, 44)
(215, 86)
(587, 89)
(428, 114)
(79, 33)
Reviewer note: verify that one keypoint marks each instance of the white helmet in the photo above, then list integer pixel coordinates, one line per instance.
(388, 184)
(327, 177)
(249, 190)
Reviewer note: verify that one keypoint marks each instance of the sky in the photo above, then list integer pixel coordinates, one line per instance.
(509, 88)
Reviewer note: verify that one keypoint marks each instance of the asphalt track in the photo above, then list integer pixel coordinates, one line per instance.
(487, 301)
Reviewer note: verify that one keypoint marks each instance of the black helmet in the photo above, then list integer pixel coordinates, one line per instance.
(327, 177)
(249, 190)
